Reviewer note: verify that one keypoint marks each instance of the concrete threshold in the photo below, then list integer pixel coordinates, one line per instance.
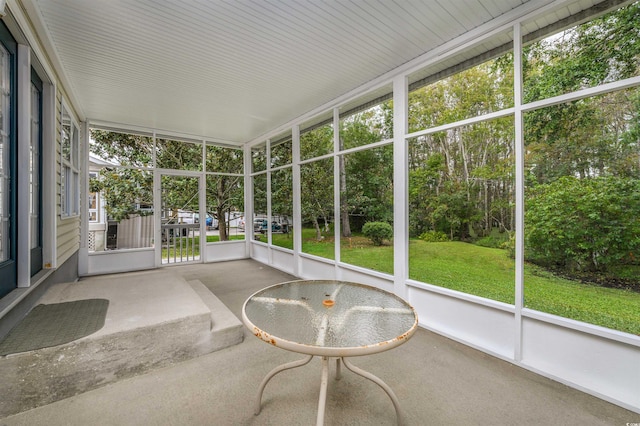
(155, 319)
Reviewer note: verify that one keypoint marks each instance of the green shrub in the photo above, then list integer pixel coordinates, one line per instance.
(377, 232)
(492, 241)
(434, 237)
(583, 224)
(510, 245)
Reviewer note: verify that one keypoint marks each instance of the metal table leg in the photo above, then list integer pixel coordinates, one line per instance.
(275, 371)
(380, 383)
(322, 401)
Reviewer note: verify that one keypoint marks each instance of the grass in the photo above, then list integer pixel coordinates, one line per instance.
(489, 273)
(283, 240)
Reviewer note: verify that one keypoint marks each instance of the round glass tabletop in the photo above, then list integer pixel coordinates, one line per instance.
(329, 318)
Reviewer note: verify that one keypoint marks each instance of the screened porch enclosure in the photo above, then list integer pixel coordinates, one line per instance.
(479, 160)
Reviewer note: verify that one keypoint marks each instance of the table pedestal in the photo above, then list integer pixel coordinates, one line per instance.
(324, 381)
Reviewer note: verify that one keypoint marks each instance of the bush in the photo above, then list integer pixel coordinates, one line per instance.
(510, 245)
(583, 224)
(377, 232)
(434, 237)
(492, 241)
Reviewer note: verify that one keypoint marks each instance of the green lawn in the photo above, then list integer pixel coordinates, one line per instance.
(216, 238)
(490, 273)
(282, 240)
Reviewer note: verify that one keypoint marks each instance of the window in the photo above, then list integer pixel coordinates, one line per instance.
(225, 193)
(281, 150)
(93, 200)
(461, 209)
(35, 174)
(316, 188)
(260, 223)
(366, 182)
(366, 201)
(461, 176)
(70, 163)
(316, 137)
(120, 191)
(259, 157)
(178, 155)
(582, 205)
(282, 208)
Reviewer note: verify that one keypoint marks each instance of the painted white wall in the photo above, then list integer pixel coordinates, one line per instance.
(599, 365)
(311, 267)
(120, 261)
(485, 327)
(227, 250)
(283, 260)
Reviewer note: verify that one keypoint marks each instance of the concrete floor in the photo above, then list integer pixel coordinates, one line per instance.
(438, 382)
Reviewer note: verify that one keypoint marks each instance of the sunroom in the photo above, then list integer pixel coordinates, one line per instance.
(479, 159)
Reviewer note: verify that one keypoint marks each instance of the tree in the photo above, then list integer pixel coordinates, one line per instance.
(585, 137)
(126, 192)
(316, 178)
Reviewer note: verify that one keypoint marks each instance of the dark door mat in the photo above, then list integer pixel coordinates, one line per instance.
(55, 324)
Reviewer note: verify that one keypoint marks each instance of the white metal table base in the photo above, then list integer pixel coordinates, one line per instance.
(324, 381)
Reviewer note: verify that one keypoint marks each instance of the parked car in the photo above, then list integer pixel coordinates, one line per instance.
(260, 225)
(210, 221)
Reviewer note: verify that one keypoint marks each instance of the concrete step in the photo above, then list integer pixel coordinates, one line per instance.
(155, 319)
(226, 328)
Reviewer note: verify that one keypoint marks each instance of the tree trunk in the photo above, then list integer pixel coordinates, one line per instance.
(222, 224)
(316, 225)
(222, 220)
(344, 213)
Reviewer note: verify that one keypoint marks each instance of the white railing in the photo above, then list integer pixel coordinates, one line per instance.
(179, 243)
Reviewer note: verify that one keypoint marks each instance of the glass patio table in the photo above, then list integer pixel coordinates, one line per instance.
(329, 319)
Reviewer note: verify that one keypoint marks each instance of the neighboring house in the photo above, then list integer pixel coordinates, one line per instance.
(97, 218)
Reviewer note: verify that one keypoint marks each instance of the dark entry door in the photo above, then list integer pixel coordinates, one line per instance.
(8, 163)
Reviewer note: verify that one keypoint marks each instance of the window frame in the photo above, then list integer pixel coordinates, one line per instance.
(69, 165)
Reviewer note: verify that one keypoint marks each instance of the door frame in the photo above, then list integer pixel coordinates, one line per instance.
(157, 212)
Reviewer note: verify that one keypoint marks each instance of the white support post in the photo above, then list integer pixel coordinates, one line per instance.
(203, 211)
(83, 258)
(337, 225)
(248, 201)
(157, 208)
(24, 169)
(269, 230)
(519, 160)
(49, 184)
(400, 187)
(297, 202)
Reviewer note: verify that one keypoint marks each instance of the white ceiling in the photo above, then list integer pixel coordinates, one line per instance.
(234, 70)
